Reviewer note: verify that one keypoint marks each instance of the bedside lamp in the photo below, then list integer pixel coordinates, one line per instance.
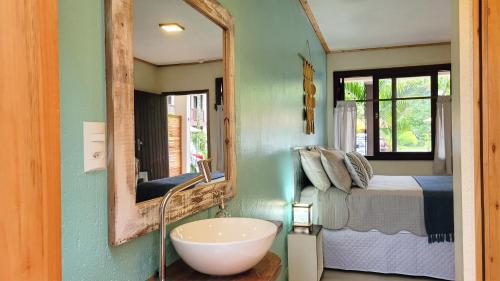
(302, 217)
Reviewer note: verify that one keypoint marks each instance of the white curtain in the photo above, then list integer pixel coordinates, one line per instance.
(443, 149)
(344, 126)
(219, 139)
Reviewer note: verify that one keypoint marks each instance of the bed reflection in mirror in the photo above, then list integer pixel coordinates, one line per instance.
(178, 96)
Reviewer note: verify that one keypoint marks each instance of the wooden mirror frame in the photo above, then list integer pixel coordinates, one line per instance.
(126, 219)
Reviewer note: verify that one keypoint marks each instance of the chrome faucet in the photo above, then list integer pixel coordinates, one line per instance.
(205, 176)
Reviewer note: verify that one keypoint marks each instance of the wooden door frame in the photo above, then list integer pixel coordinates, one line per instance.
(478, 140)
(487, 88)
(30, 205)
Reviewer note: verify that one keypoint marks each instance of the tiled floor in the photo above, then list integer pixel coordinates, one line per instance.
(335, 275)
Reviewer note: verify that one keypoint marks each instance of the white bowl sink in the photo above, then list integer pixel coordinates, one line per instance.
(223, 246)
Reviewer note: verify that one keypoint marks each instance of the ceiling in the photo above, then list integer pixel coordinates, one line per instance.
(359, 24)
(200, 41)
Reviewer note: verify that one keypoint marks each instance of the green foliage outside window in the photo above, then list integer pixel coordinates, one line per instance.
(199, 142)
(356, 91)
(444, 84)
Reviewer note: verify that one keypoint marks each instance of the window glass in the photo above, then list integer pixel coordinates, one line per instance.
(385, 115)
(385, 88)
(409, 87)
(385, 126)
(413, 119)
(444, 83)
(361, 88)
(354, 90)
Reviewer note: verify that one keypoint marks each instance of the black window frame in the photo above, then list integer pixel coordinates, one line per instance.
(393, 73)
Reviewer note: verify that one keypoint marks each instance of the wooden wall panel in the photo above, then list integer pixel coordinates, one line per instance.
(175, 145)
(478, 180)
(491, 136)
(30, 204)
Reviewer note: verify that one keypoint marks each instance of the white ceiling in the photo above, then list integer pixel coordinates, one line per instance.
(358, 24)
(201, 40)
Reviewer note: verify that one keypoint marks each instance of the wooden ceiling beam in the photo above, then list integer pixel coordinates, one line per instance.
(314, 24)
(390, 47)
(179, 64)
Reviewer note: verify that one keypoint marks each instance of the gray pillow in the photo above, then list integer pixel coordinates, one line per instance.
(311, 163)
(366, 164)
(333, 163)
(357, 170)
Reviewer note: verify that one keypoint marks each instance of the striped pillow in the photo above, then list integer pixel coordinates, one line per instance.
(366, 164)
(356, 170)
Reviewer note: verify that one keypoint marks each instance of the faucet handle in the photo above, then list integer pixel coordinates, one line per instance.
(204, 167)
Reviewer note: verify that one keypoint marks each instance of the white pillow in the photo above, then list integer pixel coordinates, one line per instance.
(333, 163)
(311, 163)
(357, 170)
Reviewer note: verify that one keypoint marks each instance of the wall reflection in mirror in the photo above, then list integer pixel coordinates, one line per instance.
(178, 100)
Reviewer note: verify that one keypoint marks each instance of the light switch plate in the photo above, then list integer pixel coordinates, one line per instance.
(94, 146)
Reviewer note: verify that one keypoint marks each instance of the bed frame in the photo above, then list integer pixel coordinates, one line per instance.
(403, 253)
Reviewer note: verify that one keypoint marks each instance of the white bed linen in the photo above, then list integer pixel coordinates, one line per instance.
(380, 182)
(389, 204)
(401, 253)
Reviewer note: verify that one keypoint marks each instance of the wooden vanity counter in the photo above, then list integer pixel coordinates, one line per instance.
(266, 270)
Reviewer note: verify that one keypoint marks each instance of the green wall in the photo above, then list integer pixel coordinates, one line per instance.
(269, 35)
(86, 255)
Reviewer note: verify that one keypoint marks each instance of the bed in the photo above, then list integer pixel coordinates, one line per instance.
(379, 229)
(158, 188)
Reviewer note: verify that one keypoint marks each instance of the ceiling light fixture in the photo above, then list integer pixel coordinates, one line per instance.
(171, 27)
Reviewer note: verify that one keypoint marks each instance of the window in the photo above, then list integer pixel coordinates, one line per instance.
(395, 109)
(194, 101)
(198, 101)
(170, 100)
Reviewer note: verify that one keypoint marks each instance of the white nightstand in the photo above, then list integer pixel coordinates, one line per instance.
(305, 255)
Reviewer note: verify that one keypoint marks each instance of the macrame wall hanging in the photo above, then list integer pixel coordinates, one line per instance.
(309, 93)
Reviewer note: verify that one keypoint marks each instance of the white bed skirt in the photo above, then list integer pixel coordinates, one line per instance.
(402, 253)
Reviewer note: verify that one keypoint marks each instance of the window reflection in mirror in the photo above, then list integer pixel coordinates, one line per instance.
(178, 112)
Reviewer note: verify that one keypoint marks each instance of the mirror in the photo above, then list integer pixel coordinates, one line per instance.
(170, 102)
(178, 110)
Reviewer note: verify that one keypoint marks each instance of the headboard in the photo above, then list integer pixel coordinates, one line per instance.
(300, 179)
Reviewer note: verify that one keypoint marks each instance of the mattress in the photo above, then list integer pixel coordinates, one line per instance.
(401, 253)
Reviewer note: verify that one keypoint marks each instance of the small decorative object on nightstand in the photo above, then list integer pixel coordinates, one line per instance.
(305, 255)
(302, 217)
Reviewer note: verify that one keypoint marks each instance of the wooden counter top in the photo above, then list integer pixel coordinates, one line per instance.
(266, 270)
